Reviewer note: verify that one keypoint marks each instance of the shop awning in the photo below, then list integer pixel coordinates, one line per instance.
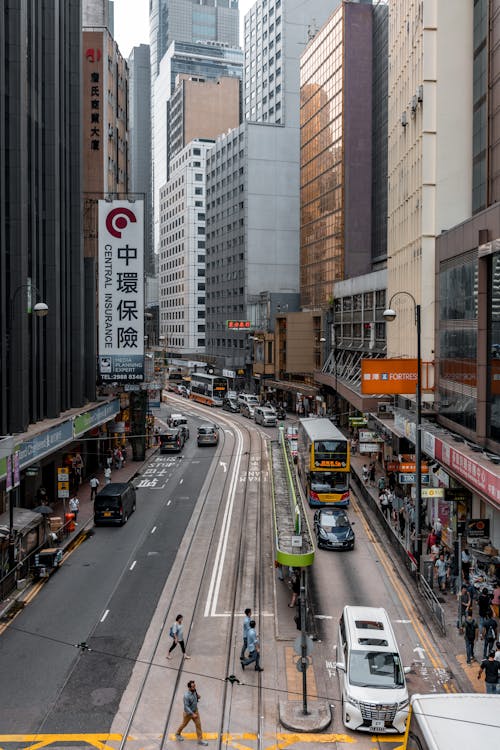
(293, 387)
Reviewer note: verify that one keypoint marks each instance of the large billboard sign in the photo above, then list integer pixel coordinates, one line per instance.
(388, 376)
(121, 291)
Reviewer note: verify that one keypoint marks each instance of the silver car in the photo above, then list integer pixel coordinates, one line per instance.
(265, 416)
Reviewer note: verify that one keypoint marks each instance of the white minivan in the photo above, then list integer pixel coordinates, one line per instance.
(371, 675)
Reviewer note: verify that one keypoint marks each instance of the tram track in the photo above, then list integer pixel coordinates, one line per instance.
(237, 493)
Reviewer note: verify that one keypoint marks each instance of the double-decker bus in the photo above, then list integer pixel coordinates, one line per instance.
(323, 462)
(208, 389)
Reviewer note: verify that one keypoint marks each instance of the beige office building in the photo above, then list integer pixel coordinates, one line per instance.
(202, 108)
(429, 152)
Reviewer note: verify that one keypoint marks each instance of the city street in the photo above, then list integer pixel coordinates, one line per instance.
(87, 655)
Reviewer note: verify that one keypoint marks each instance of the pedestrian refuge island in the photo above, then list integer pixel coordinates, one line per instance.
(294, 542)
(294, 548)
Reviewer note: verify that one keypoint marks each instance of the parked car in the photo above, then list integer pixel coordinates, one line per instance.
(175, 420)
(265, 416)
(172, 440)
(183, 391)
(230, 404)
(248, 409)
(248, 398)
(114, 503)
(333, 529)
(208, 434)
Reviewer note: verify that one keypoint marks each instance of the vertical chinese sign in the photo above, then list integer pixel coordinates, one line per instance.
(121, 291)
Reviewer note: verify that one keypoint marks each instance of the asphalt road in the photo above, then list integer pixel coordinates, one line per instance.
(104, 596)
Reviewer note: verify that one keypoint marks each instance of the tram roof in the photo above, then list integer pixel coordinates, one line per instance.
(454, 720)
(321, 429)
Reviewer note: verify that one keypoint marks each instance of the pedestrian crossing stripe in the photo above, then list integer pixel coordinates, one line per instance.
(236, 740)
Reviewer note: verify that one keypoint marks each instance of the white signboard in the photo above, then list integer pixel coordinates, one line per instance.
(369, 447)
(121, 291)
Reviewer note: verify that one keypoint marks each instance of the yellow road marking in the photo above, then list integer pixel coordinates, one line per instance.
(404, 598)
(471, 671)
(44, 740)
(294, 677)
(97, 740)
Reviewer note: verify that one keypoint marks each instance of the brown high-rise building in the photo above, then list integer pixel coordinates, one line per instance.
(202, 108)
(104, 125)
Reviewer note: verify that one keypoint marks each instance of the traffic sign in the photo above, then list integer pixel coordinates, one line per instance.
(297, 646)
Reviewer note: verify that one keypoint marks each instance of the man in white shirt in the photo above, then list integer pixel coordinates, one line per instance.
(94, 484)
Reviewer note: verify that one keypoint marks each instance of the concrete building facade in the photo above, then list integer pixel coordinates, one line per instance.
(139, 137)
(182, 252)
(202, 108)
(429, 152)
(42, 361)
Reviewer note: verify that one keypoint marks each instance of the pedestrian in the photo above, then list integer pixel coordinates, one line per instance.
(372, 475)
(441, 570)
(465, 564)
(384, 503)
(490, 634)
(491, 669)
(253, 649)
(279, 568)
(431, 540)
(392, 481)
(354, 446)
(295, 586)
(107, 474)
(484, 607)
(246, 626)
(77, 465)
(495, 602)
(124, 455)
(381, 483)
(191, 713)
(74, 506)
(109, 459)
(465, 605)
(497, 652)
(402, 520)
(118, 458)
(438, 529)
(470, 635)
(365, 473)
(94, 484)
(177, 634)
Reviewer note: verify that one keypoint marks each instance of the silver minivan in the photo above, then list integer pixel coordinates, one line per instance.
(265, 416)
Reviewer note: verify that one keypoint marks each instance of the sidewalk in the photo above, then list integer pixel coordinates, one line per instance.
(466, 677)
(85, 517)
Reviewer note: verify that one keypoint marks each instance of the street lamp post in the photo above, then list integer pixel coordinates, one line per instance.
(390, 315)
(40, 309)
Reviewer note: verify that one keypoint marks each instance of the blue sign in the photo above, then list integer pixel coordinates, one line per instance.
(45, 443)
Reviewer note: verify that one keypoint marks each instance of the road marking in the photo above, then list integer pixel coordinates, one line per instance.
(181, 481)
(106, 613)
(215, 580)
(224, 465)
(323, 617)
(420, 652)
(403, 597)
(133, 565)
(168, 503)
(153, 529)
(404, 622)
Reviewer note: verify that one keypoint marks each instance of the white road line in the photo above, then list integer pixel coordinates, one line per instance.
(168, 503)
(133, 565)
(181, 481)
(153, 529)
(105, 615)
(215, 580)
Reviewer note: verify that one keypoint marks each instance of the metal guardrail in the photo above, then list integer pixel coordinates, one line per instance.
(432, 602)
(400, 550)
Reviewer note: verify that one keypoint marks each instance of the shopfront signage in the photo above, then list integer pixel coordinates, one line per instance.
(121, 291)
(388, 376)
(45, 443)
(85, 422)
(234, 325)
(478, 527)
(475, 474)
(433, 492)
(369, 447)
(411, 478)
(457, 495)
(366, 436)
(358, 421)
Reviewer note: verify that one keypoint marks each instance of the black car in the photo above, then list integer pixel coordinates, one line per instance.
(172, 440)
(230, 404)
(333, 529)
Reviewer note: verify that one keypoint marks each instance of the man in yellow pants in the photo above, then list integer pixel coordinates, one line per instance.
(191, 713)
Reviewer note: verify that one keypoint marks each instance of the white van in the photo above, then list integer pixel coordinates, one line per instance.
(371, 675)
(265, 416)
